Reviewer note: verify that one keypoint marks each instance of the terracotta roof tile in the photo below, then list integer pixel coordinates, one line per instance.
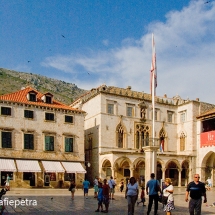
(21, 97)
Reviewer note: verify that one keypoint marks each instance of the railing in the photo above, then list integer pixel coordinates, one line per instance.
(151, 142)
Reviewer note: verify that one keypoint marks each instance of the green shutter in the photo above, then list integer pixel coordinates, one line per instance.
(47, 143)
(68, 144)
(6, 140)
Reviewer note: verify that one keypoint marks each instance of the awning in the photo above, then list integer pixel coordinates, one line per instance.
(7, 165)
(52, 166)
(72, 167)
(28, 166)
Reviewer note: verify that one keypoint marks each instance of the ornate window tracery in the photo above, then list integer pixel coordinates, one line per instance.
(142, 135)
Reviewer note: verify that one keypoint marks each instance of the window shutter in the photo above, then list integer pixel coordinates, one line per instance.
(47, 143)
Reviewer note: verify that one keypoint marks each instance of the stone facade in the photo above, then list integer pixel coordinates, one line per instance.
(118, 134)
(40, 126)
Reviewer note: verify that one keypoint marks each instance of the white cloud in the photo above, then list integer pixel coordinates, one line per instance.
(185, 48)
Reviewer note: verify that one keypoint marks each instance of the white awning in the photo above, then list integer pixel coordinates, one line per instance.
(52, 166)
(28, 166)
(7, 165)
(72, 167)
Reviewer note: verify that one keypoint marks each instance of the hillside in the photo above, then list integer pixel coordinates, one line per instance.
(11, 81)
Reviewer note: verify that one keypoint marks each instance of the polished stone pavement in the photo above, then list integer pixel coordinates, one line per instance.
(58, 201)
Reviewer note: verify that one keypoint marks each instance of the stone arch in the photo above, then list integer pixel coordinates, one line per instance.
(159, 174)
(139, 170)
(122, 167)
(172, 167)
(208, 167)
(106, 168)
(185, 172)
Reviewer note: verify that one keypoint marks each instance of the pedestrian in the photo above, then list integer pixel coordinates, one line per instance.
(106, 191)
(131, 194)
(96, 189)
(209, 181)
(168, 192)
(112, 185)
(142, 196)
(152, 189)
(72, 188)
(7, 182)
(196, 189)
(100, 197)
(121, 186)
(86, 185)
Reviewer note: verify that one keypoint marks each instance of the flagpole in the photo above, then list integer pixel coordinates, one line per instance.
(153, 104)
(153, 122)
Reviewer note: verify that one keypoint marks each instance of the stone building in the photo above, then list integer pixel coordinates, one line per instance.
(205, 164)
(118, 134)
(41, 140)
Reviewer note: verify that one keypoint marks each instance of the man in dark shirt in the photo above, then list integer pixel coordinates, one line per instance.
(196, 189)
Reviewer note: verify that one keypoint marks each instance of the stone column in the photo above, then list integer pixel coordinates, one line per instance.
(140, 145)
(163, 173)
(179, 177)
(131, 171)
(112, 172)
(150, 161)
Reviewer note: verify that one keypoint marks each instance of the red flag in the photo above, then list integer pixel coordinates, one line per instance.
(153, 67)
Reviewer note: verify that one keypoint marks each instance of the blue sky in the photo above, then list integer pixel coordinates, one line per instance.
(91, 42)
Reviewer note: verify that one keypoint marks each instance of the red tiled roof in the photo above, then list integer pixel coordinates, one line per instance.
(21, 97)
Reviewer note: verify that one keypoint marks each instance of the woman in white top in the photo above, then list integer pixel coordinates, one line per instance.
(168, 192)
(131, 194)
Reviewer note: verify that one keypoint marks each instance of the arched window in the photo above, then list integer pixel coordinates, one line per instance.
(182, 141)
(142, 135)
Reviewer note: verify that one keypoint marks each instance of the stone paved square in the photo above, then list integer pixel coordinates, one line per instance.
(58, 202)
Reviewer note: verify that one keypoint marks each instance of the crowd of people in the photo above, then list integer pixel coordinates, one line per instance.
(104, 192)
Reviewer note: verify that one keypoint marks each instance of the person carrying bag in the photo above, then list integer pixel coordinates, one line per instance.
(167, 197)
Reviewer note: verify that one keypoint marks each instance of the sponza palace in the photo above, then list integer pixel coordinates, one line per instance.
(107, 131)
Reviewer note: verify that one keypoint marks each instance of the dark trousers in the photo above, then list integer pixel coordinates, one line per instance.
(131, 203)
(151, 199)
(195, 205)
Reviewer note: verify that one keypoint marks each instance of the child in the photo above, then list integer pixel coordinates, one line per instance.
(142, 196)
(100, 197)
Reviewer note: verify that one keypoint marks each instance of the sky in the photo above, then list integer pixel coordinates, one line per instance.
(95, 42)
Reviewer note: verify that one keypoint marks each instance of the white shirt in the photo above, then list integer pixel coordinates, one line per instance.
(111, 182)
(170, 195)
(96, 182)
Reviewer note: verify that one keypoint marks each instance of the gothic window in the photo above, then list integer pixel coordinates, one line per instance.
(182, 142)
(162, 139)
(142, 135)
(120, 136)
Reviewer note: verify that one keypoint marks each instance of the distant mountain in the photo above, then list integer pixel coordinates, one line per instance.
(11, 81)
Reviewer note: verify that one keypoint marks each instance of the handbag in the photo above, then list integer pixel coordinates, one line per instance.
(164, 199)
(113, 185)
